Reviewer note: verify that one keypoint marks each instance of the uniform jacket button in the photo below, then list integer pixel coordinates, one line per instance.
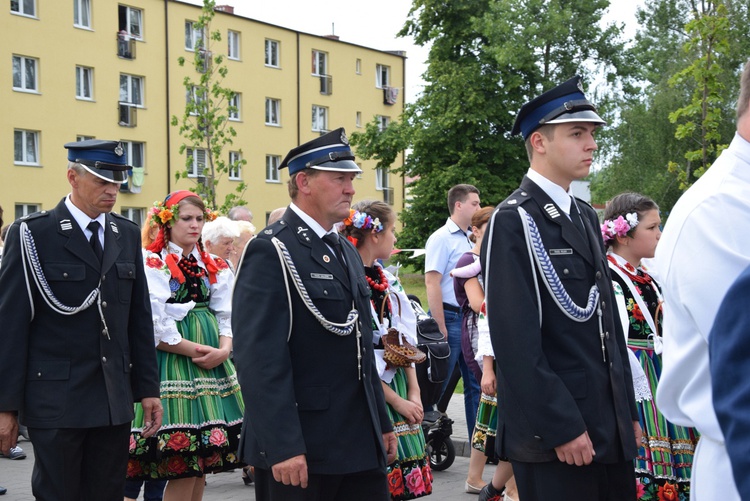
(537, 437)
(566, 271)
(604, 305)
(104, 304)
(598, 275)
(104, 360)
(65, 274)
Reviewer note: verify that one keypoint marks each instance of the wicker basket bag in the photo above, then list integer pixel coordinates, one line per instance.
(398, 352)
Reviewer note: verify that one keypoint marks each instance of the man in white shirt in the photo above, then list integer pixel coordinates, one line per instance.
(704, 248)
(442, 251)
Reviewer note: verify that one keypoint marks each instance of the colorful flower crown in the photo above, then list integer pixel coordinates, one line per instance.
(363, 221)
(612, 228)
(161, 215)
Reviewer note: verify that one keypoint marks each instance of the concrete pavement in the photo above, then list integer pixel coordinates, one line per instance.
(448, 484)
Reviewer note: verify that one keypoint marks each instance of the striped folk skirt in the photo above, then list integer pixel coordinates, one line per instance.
(410, 476)
(485, 429)
(202, 412)
(665, 458)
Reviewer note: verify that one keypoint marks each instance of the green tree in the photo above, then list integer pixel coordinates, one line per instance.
(204, 124)
(487, 58)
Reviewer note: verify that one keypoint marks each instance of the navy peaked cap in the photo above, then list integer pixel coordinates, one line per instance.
(105, 159)
(562, 104)
(329, 152)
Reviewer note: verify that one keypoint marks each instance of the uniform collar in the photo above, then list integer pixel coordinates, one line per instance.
(81, 218)
(559, 196)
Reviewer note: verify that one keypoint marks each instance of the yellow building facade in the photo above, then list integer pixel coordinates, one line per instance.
(107, 70)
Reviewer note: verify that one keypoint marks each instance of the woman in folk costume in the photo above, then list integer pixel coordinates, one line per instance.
(631, 230)
(371, 228)
(191, 305)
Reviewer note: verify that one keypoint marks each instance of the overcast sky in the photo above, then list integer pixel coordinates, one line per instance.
(371, 23)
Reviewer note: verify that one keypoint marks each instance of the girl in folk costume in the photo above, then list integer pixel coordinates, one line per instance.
(191, 305)
(371, 228)
(631, 230)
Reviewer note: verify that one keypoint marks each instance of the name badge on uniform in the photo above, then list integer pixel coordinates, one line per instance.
(321, 276)
(560, 252)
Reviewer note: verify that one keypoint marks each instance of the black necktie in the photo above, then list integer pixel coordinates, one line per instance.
(575, 216)
(96, 245)
(333, 241)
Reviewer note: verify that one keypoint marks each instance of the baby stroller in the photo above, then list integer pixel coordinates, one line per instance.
(437, 427)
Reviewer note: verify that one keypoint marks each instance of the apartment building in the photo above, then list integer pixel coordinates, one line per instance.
(102, 69)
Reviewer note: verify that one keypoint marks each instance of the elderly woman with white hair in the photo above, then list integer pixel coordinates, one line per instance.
(218, 237)
(247, 232)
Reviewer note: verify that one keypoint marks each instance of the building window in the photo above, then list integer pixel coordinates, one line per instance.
(272, 168)
(25, 74)
(82, 13)
(319, 118)
(319, 63)
(131, 89)
(272, 53)
(235, 166)
(194, 36)
(84, 83)
(198, 162)
(25, 147)
(134, 153)
(382, 76)
(359, 174)
(358, 67)
(273, 108)
(135, 214)
(233, 39)
(26, 209)
(84, 138)
(193, 99)
(130, 20)
(233, 111)
(381, 178)
(24, 7)
(383, 122)
(358, 119)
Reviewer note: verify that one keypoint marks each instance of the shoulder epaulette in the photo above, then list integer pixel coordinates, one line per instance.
(34, 215)
(584, 202)
(274, 229)
(120, 216)
(516, 198)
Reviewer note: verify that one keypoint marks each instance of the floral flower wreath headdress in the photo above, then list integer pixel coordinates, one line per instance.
(619, 227)
(363, 221)
(165, 213)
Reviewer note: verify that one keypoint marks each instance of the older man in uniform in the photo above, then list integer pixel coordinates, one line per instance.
(315, 426)
(78, 346)
(566, 411)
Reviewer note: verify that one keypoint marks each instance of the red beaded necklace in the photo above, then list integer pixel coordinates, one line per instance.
(380, 287)
(185, 266)
(631, 272)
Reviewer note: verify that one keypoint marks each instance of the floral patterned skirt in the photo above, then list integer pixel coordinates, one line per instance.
(664, 461)
(410, 476)
(202, 413)
(485, 429)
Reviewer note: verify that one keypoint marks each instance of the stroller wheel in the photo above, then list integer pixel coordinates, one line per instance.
(442, 453)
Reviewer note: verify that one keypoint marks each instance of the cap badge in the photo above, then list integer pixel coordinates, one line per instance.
(118, 150)
(344, 139)
(580, 85)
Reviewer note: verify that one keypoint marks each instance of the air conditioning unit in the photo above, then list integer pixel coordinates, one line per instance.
(125, 47)
(388, 195)
(127, 115)
(326, 85)
(390, 95)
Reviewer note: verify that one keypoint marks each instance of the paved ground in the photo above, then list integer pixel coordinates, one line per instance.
(449, 484)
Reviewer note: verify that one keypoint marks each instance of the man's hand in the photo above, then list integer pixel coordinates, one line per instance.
(8, 431)
(391, 446)
(638, 434)
(578, 451)
(292, 471)
(152, 414)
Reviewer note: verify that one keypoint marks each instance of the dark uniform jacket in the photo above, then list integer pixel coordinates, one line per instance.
(301, 389)
(61, 371)
(552, 381)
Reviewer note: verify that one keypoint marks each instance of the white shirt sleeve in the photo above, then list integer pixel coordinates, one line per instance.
(220, 301)
(165, 315)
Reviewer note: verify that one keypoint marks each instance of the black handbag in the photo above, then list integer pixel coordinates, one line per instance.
(431, 341)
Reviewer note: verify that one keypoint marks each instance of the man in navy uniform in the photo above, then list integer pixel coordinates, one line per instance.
(567, 418)
(315, 426)
(78, 345)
